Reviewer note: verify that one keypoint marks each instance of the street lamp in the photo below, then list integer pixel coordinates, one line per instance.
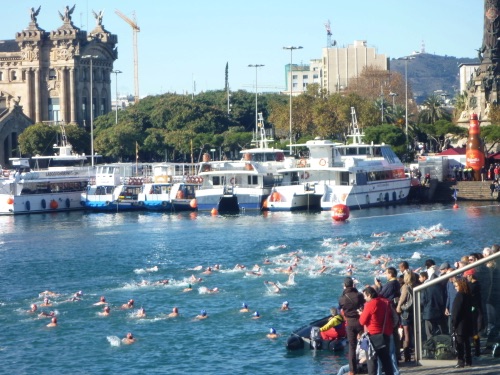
(393, 94)
(406, 58)
(91, 58)
(291, 48)
(256, 66)
(116, 93)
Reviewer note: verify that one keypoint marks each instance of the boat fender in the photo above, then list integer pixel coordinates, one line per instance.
(68, 203)
(44, 204)
(27, 205)
(200, 179)
(6, 173)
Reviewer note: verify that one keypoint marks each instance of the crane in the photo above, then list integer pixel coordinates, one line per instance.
(135, 30)
(329, 42)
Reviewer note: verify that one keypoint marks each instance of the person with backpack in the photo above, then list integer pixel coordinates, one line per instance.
(405, 309)
(462, 323)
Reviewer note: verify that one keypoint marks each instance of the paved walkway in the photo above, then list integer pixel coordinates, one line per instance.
(483, 365)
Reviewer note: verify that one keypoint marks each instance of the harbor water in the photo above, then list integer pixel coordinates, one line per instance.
(122, 256)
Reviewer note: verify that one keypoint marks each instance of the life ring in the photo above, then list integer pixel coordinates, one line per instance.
(322, 162)
(301, 163)
(231, 181)
(6, 173)
(305, 175)
(200, 180)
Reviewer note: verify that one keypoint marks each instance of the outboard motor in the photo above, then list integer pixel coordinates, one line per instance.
(316, 341)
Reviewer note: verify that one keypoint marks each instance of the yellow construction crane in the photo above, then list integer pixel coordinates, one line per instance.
(135, 30)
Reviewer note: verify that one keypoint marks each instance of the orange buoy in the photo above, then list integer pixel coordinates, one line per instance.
(53, 205)
(455, 206)
(193, 203)
(214, 212)
(340, 212)
(264, 205)
(10, 200)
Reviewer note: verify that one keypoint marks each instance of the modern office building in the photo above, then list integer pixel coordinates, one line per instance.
(46, 76)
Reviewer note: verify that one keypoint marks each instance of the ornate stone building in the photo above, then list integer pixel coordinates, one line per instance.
(47, 76)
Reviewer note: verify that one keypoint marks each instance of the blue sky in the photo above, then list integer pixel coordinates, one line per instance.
(182, 41)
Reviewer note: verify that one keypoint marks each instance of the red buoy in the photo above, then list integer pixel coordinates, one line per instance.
(340, 212)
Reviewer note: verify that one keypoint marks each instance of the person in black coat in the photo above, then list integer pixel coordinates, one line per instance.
(350, 302)
(462, 323)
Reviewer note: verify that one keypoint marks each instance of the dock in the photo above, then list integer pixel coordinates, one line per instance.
(482, 365)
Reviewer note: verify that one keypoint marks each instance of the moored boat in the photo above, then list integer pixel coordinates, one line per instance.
(53, 184)
(234, 186)
(172, 188)
(357, 175)
(116, 187)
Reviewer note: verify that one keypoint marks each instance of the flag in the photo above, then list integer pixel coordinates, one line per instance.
(455, 194)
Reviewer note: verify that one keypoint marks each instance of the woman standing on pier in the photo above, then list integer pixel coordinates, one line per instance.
(462, 322)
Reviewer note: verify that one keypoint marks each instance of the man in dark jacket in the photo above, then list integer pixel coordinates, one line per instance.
(350, 301)
(432, 307)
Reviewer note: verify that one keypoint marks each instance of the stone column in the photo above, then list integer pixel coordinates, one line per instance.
(38, 117)
(72, 94)
(29, 94)
(62, 95)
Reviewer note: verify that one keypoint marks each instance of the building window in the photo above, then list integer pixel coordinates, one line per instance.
(52, 74)
(315, 76)
(305, 76)
(294, 85)
(294, 76)
(304, 85)
(103, 106)
(1, 76)
(13, 75)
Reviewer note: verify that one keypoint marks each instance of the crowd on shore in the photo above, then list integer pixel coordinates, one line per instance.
(379, 320)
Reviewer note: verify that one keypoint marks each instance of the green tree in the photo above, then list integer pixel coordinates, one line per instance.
(388, 134)
(491, 136)
(38, 139)
(433, 111)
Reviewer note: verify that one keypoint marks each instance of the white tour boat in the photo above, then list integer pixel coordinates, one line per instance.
(232, 186)
(357, 175)
(54, 184)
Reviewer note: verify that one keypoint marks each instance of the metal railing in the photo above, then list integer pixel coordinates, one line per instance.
(417, 323)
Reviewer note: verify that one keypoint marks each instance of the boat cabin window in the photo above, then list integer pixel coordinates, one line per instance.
(253, 180)
(216, 180)
(45, 187)
(104, 190)
(344, 178)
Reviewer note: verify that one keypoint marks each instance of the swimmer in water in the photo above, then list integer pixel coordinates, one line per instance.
(106, 311)
(102, 301)
(256, 315)
(141, 313)
(284, 306)
(202, 315)
(46, 302)
(48, 293)
(195, 279)
(208, 271)
(214, 290)
(276, 288)
(174, 313)
(33, 309)
(272, 334)
(45, 314)
(53, 323)
(244, 308)
(128, 305)
(188, 289)
(129, 339)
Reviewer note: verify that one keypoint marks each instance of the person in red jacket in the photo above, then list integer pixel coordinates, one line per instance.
(376, 317)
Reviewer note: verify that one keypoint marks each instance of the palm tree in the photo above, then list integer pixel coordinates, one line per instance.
(433, 111)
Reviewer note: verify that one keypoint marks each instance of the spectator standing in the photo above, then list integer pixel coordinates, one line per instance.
(407, 314)
(432, 306)
(377, 319)
(477, 311)
(461, 318)
(351, 301)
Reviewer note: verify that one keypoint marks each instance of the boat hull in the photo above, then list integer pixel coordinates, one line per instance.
(39, 203)
(241, 199)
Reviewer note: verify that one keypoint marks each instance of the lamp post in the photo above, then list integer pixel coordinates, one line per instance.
(291, 48)
(406, 58)
(256, 66)
(382, 101)
(91, 58)
(393, 94)
(116, 93)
